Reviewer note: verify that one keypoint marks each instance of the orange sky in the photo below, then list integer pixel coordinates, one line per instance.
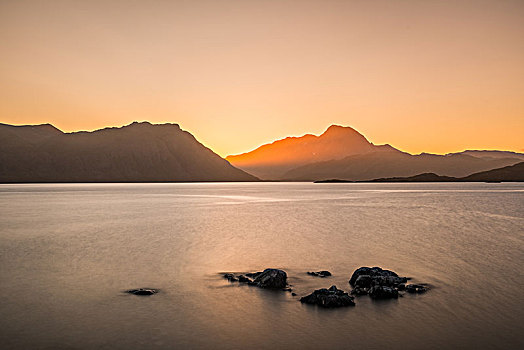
(434, 76)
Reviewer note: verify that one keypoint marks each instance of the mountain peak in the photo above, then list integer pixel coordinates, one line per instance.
(339, 130)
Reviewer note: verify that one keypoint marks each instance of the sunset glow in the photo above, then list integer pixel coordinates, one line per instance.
(424, 76)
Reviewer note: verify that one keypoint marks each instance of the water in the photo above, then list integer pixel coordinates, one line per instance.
(68, 251)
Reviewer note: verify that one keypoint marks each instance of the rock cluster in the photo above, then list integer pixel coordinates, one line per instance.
(376, 282)
(329, 298)
(269, 278)
(320, 273)
(381, 284)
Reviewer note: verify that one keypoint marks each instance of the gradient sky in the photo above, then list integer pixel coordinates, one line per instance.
(433, 76)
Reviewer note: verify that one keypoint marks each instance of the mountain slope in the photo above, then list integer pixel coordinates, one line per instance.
(136, 152)
(271, 161)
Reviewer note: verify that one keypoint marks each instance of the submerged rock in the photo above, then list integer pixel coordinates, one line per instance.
(320, 273)
(416, 288)
(142, 291)
(329, 298)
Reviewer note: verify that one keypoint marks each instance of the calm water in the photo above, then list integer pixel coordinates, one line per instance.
(67, 252)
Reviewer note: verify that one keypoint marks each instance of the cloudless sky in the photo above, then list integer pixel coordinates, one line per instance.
(422, 75)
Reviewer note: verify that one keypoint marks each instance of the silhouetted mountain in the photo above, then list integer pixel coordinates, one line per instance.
(138, 152)
(343, 153)
(426, 177)
(273, 160)
(394, 164)
(511, 173)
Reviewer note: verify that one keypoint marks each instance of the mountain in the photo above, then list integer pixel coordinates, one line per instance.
(492, 154)
(509, 173)
(395, 164)
(343, 153)
(512, 173)
(139, 152)
(273, 160)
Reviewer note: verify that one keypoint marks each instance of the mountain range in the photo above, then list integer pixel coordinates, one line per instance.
(139, 152)
(144, 152)
(511, 173)
(343, 153)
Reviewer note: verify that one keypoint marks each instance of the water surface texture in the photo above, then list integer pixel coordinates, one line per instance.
(68, 251)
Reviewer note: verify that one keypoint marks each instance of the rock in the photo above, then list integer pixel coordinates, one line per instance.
(320, 273)
(377, 283)
(371, 271)
(329, 298)
(272, 279)
(363, 281)
(243, 279)
(253, 274)
(230, 277)
(359, 291)
(294, 294)
(383, 292)
(142, 291)
(416, 288)
(269, 278)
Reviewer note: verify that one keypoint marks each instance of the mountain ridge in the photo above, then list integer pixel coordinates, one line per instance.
(138, 152)
(359, 159)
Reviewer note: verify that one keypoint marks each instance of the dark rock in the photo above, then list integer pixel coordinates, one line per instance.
(271, 278)
(243, 279)
(230, 277)
(359, 291)
(363, 281)
(416, 288)
(142, 291)
(294, 294)
(329, 298)
(253, 274)
(287, 289)
(383, 292)
(320, 273)
(371, 271)
(378, 283)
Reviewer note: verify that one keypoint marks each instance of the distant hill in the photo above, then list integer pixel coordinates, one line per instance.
(343, 153)
(139, 152)
(512, 173)
(509, 173)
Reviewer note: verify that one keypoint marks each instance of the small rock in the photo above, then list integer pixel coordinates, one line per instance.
(329, 298)
(142, 291)
(320, 273)
(294, 294)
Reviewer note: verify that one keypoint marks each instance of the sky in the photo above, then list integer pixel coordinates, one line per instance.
(423, 76)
